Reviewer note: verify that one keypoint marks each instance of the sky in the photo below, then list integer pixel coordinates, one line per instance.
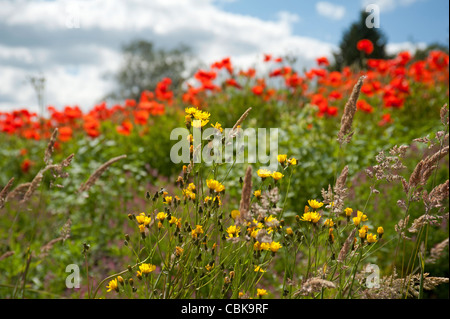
(74, 43)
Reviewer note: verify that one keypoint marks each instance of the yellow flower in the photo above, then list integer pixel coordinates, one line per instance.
(313, 217)
(356, 221)
(292, 161)
(289, 231)
(112, 285)
(145, 269)
(178, 251)
(259, 269)
(254, 232)
(161, 216)
(173, 220)
(233, 231)
(142, 219)
(329, 222)
(214, 185)
(306, 217)
(209, 267)
(380, 230)
(362, 216)
(362, 233)
(207, 199)
(265, 246)
(168, 200)
(218, 126)
(201, 115)
(218, 200)
(348, 211)
(315, 204)
(277, 176)
(264, 173)
(257, 193)
(141, 228)
(282, 158)
(257, 246)
(196, 231)
(235, 213)
(371, 238)
(189, 194)
(190, 110)
(261, 292)
(199, 123)
(275, 246)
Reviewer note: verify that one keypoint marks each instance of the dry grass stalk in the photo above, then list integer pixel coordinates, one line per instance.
(345, 134)
(415, 177)
(241, 119)
(314, 285)
(47, 247)
(57, 172)
(244, 206)
(50, 147)
(444, 114)
(4, 192)
(437, 196)
(437, 251)
(18, 192)
(340, 191)
(6, 255)
(98, 172)
(346, 247)
(393, 287)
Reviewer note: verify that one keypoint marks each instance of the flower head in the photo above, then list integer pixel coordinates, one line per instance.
(112, 285)
(277, 176)
(348, 212)
(282, 158)
(142, 219)
(261, 292)
(233, 231)
(161, 216)
(145, 269)
(371, 238)
(235, 213)
(264, 173)
(275, 246)
(314, 204)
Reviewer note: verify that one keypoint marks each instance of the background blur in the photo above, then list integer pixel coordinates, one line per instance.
(78, 46)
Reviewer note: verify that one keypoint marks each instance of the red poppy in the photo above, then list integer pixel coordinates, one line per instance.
(332, 111)
(323, 61)
(233, 82)
(125, 128)
(385, 119)
(364, 106)
(26, 165)
(65, 133)
(365, 46)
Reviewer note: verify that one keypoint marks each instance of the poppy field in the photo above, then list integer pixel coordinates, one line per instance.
(92, 205)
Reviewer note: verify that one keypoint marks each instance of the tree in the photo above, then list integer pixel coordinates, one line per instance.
(349, 55)
(144, 66)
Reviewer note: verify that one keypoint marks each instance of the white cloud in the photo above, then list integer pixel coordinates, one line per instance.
(330, 10)
(394, 48)
(73, 60)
